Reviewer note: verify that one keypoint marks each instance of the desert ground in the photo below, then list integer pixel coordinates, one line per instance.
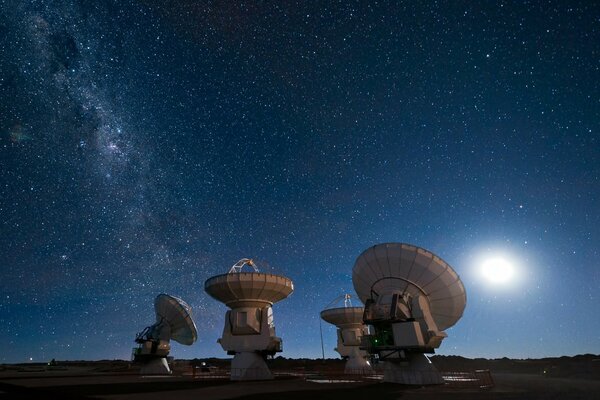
(552, 378)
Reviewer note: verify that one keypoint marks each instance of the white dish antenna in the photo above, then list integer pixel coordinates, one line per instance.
(398, 267)
(173, 321)
(249, 289)
(411, 296)
(343, 316)
(249, 331)
(351, 328)
(178, 315)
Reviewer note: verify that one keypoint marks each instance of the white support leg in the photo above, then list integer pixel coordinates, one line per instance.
(357, 364)
(249, 366)
(415, 370)
(156, 366)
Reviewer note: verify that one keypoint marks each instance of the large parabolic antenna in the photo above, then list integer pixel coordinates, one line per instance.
(249, 332)
(350, 330)
(173, 321)
(410, 295)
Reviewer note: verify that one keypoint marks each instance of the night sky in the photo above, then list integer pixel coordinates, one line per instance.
(148, 145)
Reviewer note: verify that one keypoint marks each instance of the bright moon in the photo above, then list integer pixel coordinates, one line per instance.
(497, 270)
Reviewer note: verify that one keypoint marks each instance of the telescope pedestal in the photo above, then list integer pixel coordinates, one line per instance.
(357, 364)
(415, 369)
(249, 366)
(155, 366)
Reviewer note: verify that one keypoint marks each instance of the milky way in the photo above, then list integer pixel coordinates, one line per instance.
(146, 146)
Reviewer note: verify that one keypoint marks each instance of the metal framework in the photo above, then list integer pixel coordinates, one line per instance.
(237, 267)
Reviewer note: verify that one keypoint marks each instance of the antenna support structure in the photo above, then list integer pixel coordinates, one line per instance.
(411, 296)
(249, 331)
(173, 321)
(350, 331)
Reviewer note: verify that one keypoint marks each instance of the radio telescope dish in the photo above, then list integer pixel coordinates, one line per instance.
(179, 316)
(249, 331)
(249, 289)
(350, 330)
(392, 267)
(410, 295)
(343, 316)
(173, 321)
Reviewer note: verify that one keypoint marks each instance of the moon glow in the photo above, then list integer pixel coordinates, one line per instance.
(497, 271)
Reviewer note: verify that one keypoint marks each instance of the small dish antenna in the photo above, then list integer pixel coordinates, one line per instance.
(411, 296)
(350, 330)
(249, 332)
(173, 321)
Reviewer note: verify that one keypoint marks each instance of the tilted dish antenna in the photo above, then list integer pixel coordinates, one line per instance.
(249, 331)
(350, 330)
(411, 296)
(173, 321)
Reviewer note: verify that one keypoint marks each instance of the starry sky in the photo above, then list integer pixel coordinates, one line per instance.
(146, 146)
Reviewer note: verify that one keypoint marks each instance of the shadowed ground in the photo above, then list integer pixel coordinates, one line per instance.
(119, 380)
